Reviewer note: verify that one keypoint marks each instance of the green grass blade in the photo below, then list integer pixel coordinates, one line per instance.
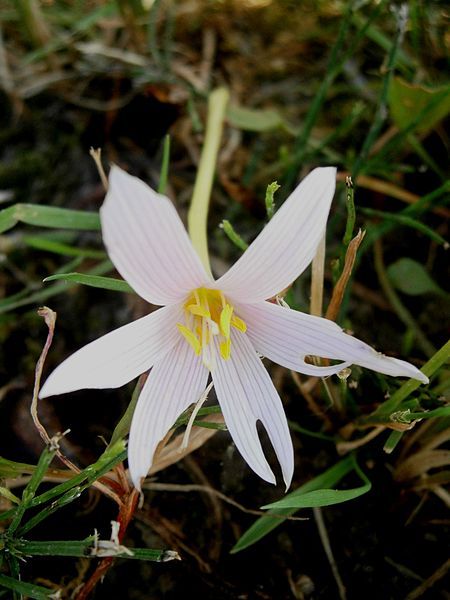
(335, 65)
(164, 173)
(264, 525)
(442, 411)
(30, 590)
(323, 497)
(381, 111)
(351, 212)
(109, 459)
(6, 493)
(48, 216)
(416, 210)
(29, 492)
(55, 247)
(64, 500)
(393, 440)
(210, 425)
(149, 554)
(440, 358)
(10, 468)
(233, 235)
(404, 219)
(390, 149)
(54, 548)
(87, 548)
(38, 297)
(105, 283)
(404, 60)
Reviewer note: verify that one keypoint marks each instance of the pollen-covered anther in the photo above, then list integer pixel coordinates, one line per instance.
(209, 315)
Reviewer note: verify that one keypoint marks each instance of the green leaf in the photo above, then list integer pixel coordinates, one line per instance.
(164, 165)
(6, 493)
(210, 425)
(87, 548)
(441, 411)
(406, 101)
(83, 480)
(29, 492)
(49, 245)
(106, 283)
(269, 201)
(393, 403)
(404, 219)
(28, 296)
(393, 440)
(10, 468)
(233, 235)
(323, 497)
(48, 216)
(410, 277)
(275, 517)
(254, 119)
(30, 590)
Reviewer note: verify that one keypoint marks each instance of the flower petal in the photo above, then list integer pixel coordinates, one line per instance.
(147, 241)
(117, 357)
(287, 336)
(286, 246)
(246, 394)
(173, 384)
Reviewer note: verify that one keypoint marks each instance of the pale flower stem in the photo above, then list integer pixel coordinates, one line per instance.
(198, 212)
(317, 274)
(316, 302)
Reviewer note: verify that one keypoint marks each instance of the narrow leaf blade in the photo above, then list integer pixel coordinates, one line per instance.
(106, 283)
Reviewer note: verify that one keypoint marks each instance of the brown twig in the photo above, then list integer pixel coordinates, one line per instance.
(344, 447)
(194, 487)
(50, 320)
(49, 317)
(341, 284)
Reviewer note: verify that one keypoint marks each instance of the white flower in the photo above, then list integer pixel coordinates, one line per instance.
(215, 327)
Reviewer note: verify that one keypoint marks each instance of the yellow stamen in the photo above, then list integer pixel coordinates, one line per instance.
(225, 320)
(190, 337)
(238, 323)
(208, 320)
(198, 310)
(225, 349)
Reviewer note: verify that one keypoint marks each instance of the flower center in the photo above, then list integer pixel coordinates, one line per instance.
(208, 314)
